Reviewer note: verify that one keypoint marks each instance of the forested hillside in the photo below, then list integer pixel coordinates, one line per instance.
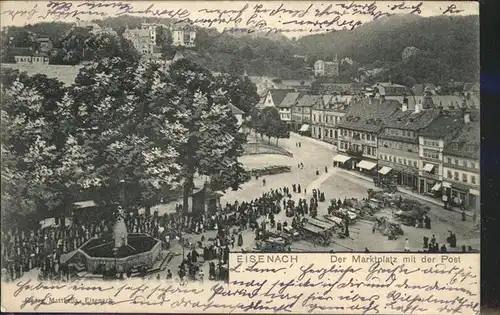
(447, 46)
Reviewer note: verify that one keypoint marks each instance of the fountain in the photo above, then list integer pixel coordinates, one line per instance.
(120, 250)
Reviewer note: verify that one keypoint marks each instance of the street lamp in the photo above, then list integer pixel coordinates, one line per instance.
(115, 254)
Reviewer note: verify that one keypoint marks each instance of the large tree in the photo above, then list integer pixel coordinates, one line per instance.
(213, 140)
(132, 129)
(241, 91)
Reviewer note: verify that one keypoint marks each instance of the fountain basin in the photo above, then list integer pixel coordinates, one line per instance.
(142, 249)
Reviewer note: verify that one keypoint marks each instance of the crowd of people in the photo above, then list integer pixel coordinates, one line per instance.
(43, 248)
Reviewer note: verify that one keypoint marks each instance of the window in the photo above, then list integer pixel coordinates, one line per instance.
(449, 160)
(472, 165)
(400, 161)
(464, 177)
(456, 162)
(385, 157)
(449, 175)
(456, 177)
(314, 118)
(464, 163)
(363, 136)
(431, 154)
(381, 156)
(390, 158)
(331, 133)
(404, 161)
(473, 179)
(415, 164)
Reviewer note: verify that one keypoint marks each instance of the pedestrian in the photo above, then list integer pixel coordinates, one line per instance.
(407, 245)
(317, 172)
(300, 144)
(326, 169)
(464, 215)
(433, 239)
(263, 182)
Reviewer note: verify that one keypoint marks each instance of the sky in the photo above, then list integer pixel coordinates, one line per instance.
(292, 18)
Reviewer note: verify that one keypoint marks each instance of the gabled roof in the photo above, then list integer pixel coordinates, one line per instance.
(235, 110)
(310, 101)
(467, 142)
(444, 125)
(279, 94)
(369, 115)
(290, 99)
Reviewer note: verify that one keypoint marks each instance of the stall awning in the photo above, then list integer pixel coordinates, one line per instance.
(436, 187)
(384, 170)
(341, 158)
(446, 185)
(304, 127)
(474, 192)
(366, 165)
(428, 167)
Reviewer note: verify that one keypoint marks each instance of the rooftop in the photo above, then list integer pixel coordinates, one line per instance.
(409, 120)
(310, 101)
(235, 110)
(444, 124)
(279, 95)
(467, 142)
(369, 114)
(290, 99)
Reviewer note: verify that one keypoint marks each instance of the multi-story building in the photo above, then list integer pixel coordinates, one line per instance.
(273, 98)
(183, 34)
(432, 141)
(327, 68)
(359, 128)
(398, 149)
(326, 117)
(141, 39)
(302, 112)
(461, 166)
(286, 105)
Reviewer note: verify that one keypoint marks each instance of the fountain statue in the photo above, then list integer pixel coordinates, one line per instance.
(120, 234)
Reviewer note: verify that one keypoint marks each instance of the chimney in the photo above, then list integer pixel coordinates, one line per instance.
(467, 118)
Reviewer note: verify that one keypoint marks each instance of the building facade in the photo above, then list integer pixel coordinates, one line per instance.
(398, 144)
(286, 106)
(432, 141)
(141, 39)
(327, 68)
(302, 112)
(358, 130)
(325, 118)
(183, 35)
(461, 178)
(28, 56)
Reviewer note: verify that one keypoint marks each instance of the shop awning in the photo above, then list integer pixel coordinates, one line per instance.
(436, 187)
(341, 158)
(428, 167)
(384, 170)
(304, 127)
(366, 165)
(446, 185)
(474, 192)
